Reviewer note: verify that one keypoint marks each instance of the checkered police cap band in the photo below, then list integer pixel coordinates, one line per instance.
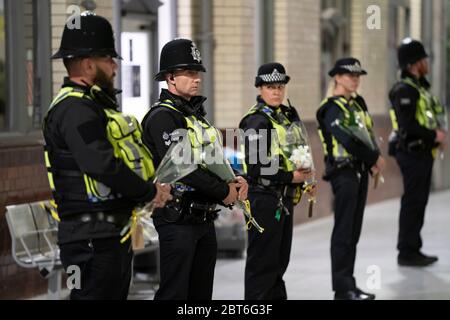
(354, 68)
(273, 77)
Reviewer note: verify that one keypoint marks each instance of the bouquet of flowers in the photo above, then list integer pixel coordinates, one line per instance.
(298, 150)
(214, 160)
(173, 167)
(441, 114)
(301, 157)
(355, 126)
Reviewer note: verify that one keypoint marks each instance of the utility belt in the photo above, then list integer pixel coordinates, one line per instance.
(414, 146)
(402, 143)
(119, 219)
(335, 165)
(281, 192)
(265, 185)
(184, 210)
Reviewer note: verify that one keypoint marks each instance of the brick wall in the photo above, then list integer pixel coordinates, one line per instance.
(23, 179)
(234, 60)
(185, 14)
(416, 19)
(297, 46)
(371, 47)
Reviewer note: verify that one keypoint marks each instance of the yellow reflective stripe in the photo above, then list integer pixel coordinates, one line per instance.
(252, 110)
(393, 119)
(424, 106)
(323, 102)
(136, 159)
(62, 94)
(244, 163)
(87, 183)
(339, 150)
(322, 139)
(47, 160)
(365, 115)
(49, 173)
(51, 182)
(149, 167)
(434, 152)
(170, 106)
(341, 104)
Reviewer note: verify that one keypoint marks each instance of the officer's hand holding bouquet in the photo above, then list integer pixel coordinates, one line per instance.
(172, 168)
(213, 159)
(162, 195)
(242, 187)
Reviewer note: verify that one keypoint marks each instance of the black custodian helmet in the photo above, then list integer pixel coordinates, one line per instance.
(94, 37)
(409, 52)
(179, 54)
(272, 72)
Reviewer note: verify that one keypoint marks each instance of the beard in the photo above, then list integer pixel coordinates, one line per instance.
(106, 83)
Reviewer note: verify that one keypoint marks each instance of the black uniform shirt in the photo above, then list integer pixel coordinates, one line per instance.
(328, 114)
(160, 123)
(78, 127)
(404, 99)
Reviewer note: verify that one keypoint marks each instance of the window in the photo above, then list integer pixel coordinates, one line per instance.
(25, 70)
(448, 55)
(3, 102)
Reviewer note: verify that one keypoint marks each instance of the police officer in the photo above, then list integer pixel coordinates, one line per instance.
(418, 138)
(95, 187)
(187, 238)
(272, 189)
(348, 162)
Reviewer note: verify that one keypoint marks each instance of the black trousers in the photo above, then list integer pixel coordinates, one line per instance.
(268, 253)
(350, 193)
(105, 266)
(416, 170)
(188, 256)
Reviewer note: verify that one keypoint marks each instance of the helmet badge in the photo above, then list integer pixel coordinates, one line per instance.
(195, 53)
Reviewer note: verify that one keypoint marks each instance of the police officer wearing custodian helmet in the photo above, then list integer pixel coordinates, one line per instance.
(418, 136)
(187, 238)
(98, 167)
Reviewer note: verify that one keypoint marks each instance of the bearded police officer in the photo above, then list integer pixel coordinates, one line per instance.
(98, 167)
(348, 160)
(187, 238)
(418, 136)
(271, 194)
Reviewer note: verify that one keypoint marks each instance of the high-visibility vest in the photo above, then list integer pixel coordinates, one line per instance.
(200, 133)
(281, 128)
(125, 135)
(428, 109)
(338, 151)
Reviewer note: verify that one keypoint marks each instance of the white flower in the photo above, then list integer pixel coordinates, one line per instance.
(301, 157)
